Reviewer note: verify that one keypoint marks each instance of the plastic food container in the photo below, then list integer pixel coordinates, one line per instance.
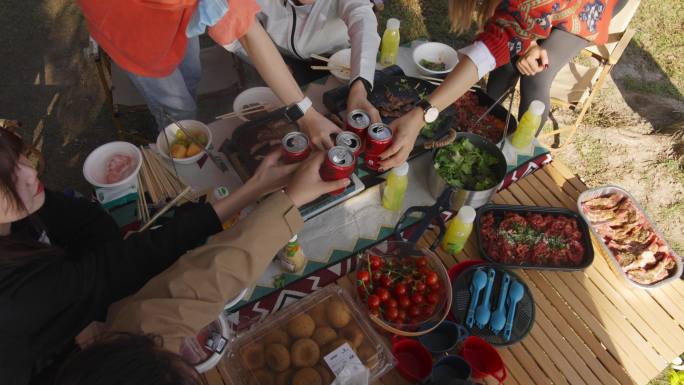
(294, 343)
(610, 189)
(206, 349)
(500, 210)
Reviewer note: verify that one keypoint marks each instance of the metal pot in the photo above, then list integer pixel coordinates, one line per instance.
(459, 196)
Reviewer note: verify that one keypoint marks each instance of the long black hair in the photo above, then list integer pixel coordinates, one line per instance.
(126, 359)
(14, 250)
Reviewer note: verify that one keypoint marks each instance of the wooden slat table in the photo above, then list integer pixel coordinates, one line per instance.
(591, 327)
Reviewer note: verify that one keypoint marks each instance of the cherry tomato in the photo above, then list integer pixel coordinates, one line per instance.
(386, 281)
(362, 292)
(382, 293)
(428, 310)
(414, 311)
(417, 298)
(435, 287)
(431, 278)
(377, 276)
(391, 314)
(391, 303)
(400, 289)
(363, 276)
(375, 262)
(421, 262)
(432, 298)
(375, 312)
(373, 301)
(420, 287)
(404, 301)
(401, 317)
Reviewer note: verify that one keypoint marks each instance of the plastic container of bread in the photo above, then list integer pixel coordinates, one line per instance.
(649, 261)
(302, 344)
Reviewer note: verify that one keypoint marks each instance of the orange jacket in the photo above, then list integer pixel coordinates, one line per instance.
(147, 37)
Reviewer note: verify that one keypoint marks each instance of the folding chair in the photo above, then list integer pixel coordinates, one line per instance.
(576, 85)
(123, 97)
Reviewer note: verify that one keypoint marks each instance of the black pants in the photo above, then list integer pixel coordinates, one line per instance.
(561, 47)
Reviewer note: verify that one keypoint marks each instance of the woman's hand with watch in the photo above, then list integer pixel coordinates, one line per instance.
(316, 126)
(406, 129)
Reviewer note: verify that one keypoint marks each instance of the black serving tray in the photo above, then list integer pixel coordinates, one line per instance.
(499, 210)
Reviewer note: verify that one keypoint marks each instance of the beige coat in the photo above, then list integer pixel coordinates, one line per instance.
(191, 293)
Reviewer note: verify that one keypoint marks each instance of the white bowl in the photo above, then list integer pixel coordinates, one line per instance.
(95, 165)
(343, 58)
(435, 52)
(235, 300)
(189, 125)
(262, 95)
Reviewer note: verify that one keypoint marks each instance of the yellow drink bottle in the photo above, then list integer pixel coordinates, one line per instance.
(528, 125)
(459, 230)
(395, 190)
(389, 47)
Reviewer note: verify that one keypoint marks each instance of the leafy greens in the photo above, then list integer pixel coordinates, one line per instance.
(463, 165)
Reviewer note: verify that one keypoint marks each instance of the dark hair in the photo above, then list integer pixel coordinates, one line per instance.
(126, 359)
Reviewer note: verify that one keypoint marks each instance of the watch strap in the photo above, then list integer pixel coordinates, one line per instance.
(297, 110)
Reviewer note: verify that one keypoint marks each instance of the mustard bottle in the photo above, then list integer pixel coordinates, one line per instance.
(292, 257)
(389, 47)
(395, 190)
(527, 127)
(459, 230)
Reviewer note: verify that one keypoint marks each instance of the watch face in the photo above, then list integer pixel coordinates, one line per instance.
(431, 114)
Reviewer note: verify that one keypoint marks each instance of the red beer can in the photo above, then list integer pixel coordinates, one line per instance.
(339, 164)
(357, 122)
(350, 140)
(378, 139)
(295, 147)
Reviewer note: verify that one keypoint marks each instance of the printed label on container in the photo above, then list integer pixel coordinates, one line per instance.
(340, 357)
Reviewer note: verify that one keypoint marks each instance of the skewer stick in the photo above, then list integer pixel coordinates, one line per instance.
(319, 57)
(249, 110)
(165, 209)
(328, 68)
(430, 79)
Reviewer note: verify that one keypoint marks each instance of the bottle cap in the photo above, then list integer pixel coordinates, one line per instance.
(402, 169)
(537, 107)
(221, 192)
(393, 23)
(294, 239)
(466, 214)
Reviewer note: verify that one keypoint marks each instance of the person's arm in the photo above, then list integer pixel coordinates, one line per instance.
(191, 294)
(274, 71)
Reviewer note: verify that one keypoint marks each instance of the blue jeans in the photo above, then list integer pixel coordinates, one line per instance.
(174, 94)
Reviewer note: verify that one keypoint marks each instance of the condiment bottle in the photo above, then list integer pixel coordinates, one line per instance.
(292, 257)
(389, 47)
(459, 230)
(527, 127)
(395, 190)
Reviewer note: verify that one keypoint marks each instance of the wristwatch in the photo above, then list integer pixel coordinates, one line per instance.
(297, 110)
(430, 112)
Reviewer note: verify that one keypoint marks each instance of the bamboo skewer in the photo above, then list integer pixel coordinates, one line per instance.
(246, 111)
(165, 209)
(328, 68)
(327, 60)
(430, 79)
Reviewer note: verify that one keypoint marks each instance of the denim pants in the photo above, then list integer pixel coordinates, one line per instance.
(174, 94)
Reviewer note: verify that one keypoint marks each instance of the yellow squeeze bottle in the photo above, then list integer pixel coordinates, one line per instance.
(459, 230)
(395, 190)
(389, 47)
(528, 125)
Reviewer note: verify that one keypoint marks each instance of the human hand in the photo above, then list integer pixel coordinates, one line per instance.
(318, 129)
(535, 60)
(271, 175)
(358, 99)
(406, 130)
(307, 185)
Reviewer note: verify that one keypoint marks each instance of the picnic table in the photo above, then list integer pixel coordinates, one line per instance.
(591, 327)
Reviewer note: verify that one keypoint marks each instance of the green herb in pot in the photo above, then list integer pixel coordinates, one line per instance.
(463, 165)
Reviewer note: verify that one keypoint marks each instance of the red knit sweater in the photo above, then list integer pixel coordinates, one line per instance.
(516, 23)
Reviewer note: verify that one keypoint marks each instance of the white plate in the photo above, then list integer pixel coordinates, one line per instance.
(435, 52)
(341, 58)
(261, 95)
(235, 300)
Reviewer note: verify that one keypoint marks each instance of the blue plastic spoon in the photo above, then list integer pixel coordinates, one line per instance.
(479, 281)
(484, 311)
(515, 294)
(498, 320)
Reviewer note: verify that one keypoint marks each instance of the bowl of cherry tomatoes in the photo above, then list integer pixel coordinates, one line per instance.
(403, 287)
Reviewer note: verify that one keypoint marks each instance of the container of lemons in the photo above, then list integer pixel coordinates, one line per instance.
(179, 147)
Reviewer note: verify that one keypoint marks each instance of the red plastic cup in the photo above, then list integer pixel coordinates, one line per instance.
(483, 359)
(414, 362)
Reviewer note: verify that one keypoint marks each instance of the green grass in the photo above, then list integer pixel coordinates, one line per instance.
(591, 154)
(660, 88)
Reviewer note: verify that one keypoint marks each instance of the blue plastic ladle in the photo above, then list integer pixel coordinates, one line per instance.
(498, 320)
(479, 281)
(515, 294)
(484, 311)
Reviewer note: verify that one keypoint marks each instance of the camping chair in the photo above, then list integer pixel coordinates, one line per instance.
(123, 97)
(576, 85)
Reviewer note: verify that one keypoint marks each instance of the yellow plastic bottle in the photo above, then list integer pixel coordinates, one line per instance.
(291, 257)
(459, 230)
(389, 47)
(529, 123)
(395, 190)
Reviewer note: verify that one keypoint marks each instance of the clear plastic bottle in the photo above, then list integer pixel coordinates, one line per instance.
(395, 190)
(527, 127)
(389, 47)
(292, 257)
(459, 230)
